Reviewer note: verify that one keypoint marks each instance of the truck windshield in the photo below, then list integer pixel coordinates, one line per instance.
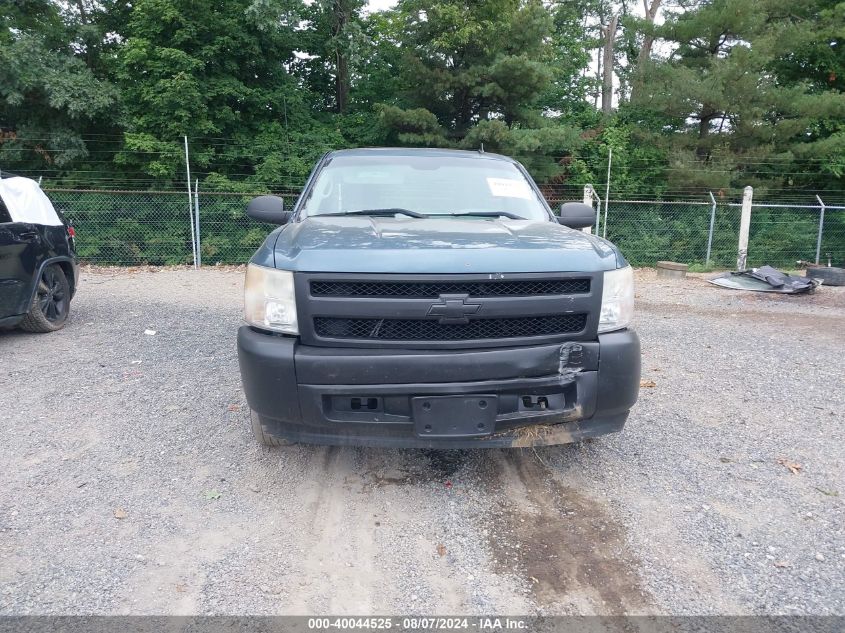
(423, 185)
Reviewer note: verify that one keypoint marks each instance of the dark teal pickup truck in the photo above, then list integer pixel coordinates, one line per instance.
(431, 298)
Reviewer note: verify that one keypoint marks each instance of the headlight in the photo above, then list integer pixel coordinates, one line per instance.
(617, 299)
(269, 300)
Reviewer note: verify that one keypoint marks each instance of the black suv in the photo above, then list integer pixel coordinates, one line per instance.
(39, 269)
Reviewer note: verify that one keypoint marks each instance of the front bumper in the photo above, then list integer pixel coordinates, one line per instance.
(546, 394)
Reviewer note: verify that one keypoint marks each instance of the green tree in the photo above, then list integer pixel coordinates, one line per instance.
(724, 100)
(489, 74)
(335, 41)
(209, 69)
(807, 44)
(470, 62)
(572, 41)
(50, 99)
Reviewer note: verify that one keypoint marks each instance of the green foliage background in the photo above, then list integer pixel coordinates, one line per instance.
(98, 94)
(133, 228)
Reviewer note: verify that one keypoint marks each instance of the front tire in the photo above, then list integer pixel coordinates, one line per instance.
(51, 304)
(262, 436)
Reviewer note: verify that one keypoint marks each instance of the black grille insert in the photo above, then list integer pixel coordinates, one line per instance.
(432, 330)
(432, 289)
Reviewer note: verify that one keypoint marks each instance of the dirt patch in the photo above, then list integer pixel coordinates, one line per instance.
(444, 463)
(833, 326)
(423, 466)
(567, 545)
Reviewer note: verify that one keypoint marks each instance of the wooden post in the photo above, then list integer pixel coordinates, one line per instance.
(588, 199)
(744, 227)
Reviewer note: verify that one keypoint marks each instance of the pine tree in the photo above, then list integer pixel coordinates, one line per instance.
(730, 100)
(470, 62)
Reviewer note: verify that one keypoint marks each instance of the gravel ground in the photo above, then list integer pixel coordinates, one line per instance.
(131, 483)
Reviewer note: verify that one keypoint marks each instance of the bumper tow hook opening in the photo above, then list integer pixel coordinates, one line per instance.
(530, 402)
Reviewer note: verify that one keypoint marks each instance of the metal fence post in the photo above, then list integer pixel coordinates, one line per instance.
(744, 228)
(197, 207)
(821, 228)
(606, 193)
(190, 203)
(712, 224)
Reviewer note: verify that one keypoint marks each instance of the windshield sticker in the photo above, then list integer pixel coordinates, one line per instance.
(509, 188)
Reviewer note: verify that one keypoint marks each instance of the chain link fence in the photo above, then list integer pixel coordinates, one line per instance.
(130, 228)
(147, 227)
(648, 232)
(780, 235)
(127, 228)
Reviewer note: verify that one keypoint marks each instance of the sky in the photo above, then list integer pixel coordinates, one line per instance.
(380, 5)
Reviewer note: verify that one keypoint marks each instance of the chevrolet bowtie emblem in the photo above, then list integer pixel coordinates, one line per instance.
(453, 309)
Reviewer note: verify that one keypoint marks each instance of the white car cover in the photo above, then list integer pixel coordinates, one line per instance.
(27, 203)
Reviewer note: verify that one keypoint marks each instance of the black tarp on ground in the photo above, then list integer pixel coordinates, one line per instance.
(765, 279)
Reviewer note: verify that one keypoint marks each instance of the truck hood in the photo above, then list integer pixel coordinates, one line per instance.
(364, 244)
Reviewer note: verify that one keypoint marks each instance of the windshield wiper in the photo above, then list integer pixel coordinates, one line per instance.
(489, 214)
(375, 212)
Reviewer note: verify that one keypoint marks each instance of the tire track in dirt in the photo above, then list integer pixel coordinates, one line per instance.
(570, 548)
(385, 534)
(340, 556)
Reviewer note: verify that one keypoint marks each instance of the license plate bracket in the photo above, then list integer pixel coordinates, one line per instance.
(455, 416)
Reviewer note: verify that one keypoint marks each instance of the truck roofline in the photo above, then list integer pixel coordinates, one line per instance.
(420, 151)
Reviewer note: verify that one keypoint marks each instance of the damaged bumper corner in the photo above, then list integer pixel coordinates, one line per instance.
(564, 433)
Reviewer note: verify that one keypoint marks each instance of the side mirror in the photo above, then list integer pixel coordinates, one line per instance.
(577, 215)
(269, 209)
